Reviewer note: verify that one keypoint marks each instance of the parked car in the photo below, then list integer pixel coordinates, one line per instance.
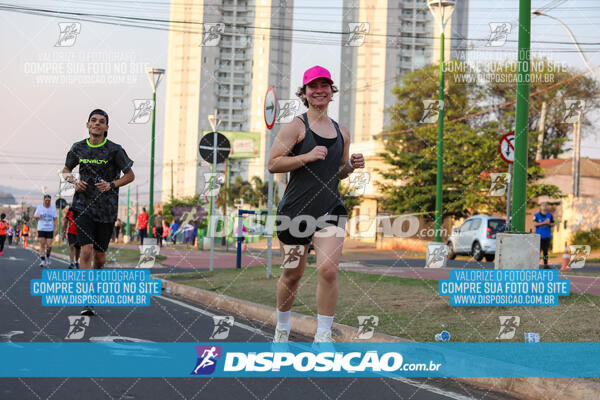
(476, 237)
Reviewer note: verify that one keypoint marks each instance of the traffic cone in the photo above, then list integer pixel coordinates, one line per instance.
(565, 259)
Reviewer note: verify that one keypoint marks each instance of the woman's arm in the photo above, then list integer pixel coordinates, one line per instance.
(279, 161)
(349, 163)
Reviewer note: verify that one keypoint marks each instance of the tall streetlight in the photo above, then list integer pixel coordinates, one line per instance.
(577, 126)
(442, 11)
(155, 75)
(581, 54)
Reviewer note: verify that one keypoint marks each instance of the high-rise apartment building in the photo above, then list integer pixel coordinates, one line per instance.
(401, 38)
(223, 55)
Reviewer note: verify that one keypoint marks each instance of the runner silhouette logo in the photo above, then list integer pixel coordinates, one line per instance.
(77, 325)
(207, 359)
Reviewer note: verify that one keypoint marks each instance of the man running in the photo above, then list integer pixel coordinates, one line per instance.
(96, 198)
(47, 216)
(3, 231)
(315, 150)
(70, 230)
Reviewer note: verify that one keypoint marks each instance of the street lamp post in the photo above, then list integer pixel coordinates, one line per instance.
(155, 76)
(577, 125)
(581, 53)
(442, 11)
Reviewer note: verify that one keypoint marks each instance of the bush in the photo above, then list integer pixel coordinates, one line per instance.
(591, 237)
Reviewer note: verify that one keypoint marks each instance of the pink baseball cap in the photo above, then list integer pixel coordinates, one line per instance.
(314, 73)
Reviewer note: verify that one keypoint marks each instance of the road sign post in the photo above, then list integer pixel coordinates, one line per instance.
(214, 148)
(270, 115)
(506, 149)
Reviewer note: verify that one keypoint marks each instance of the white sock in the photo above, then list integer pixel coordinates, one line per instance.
(324, 323)
(283, 320)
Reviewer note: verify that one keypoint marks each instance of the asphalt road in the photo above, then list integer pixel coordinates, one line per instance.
(24, 319)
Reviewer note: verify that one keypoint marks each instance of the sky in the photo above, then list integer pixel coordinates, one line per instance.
(43, 114)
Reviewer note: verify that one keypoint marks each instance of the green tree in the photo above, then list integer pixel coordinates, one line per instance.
(470, 149)
(545, 78)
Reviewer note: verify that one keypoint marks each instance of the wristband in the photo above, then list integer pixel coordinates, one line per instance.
(351, 166)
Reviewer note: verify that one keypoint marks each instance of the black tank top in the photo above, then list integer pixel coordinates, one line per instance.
(313, 188)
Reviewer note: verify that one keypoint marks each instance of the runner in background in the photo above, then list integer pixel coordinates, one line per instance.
(142, 224)
(158, 226)
(3, 231)
(117, 230)
(173, 230)
(17, 235)
(10, 235)
(70, 230)
(25, 234)
(47, 216)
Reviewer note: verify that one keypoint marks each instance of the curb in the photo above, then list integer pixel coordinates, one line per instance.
(523, 388)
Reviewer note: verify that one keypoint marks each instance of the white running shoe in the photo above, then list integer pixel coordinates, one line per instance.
(324, 337)
(281, 336)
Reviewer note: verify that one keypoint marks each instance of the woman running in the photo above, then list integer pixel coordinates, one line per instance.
(315, 150)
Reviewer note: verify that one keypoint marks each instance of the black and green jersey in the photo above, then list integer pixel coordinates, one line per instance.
(104, 161)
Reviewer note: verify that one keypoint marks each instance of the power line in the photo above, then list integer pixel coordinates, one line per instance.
(139, 22)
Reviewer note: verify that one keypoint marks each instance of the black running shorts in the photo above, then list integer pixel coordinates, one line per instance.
(46, 234)
(92, 232)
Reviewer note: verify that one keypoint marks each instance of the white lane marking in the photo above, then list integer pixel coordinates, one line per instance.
(118, 339)
(433, 389)
(209, 314)
(5, 337)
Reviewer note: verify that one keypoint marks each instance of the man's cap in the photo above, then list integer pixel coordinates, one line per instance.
(316, 72)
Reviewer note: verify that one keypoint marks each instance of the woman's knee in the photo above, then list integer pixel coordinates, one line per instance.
(328, 272)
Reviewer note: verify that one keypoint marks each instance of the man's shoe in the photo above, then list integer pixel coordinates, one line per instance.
(281, 336)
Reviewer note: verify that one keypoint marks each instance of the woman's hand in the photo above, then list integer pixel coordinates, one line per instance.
(317, 153)
(357, 160)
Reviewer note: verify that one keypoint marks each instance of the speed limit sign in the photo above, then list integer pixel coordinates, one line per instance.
(507, 147)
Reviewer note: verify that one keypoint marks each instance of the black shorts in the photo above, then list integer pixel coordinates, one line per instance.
(46, 234)
(73, 240)
(92, 232)
(339, 216)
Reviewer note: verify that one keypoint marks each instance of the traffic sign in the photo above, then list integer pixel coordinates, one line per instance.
(206, 147)
(60, 203)
(270, 107)
(506, 147)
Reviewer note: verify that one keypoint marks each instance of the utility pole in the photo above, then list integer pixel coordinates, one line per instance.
(522, 119)
(538, 154)
(576, 153)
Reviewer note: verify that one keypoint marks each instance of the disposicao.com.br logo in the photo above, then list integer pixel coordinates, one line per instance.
(310, 362)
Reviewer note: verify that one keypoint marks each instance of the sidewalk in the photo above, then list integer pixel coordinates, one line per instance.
(199, 259)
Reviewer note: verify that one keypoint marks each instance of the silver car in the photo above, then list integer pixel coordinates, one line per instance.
(476, 237)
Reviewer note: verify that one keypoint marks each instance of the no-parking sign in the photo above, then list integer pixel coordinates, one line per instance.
(507, 147)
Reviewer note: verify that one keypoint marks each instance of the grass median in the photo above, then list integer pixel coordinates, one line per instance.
(409, 308)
